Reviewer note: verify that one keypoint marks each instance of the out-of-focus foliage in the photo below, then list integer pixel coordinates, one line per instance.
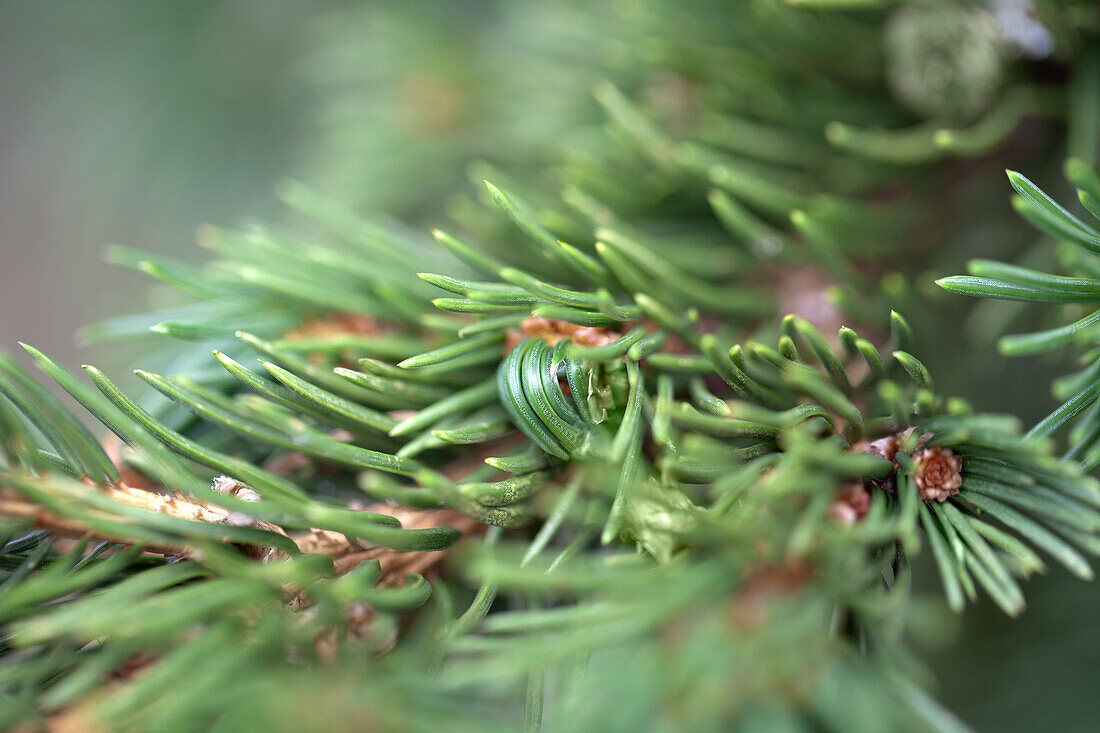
(569, 465)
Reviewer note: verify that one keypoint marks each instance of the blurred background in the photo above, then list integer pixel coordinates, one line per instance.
(131, 122)
(136, 122)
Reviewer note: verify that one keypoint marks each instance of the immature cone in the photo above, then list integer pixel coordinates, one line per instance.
(938, 474)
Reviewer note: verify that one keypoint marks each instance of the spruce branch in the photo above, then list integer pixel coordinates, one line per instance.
(690, 500)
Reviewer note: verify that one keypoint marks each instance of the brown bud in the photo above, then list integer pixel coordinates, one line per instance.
(554, 331)
(592, 336)
(938, 473)
(535, 326)
(884, 447)
(335, 325)
(852, 502)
